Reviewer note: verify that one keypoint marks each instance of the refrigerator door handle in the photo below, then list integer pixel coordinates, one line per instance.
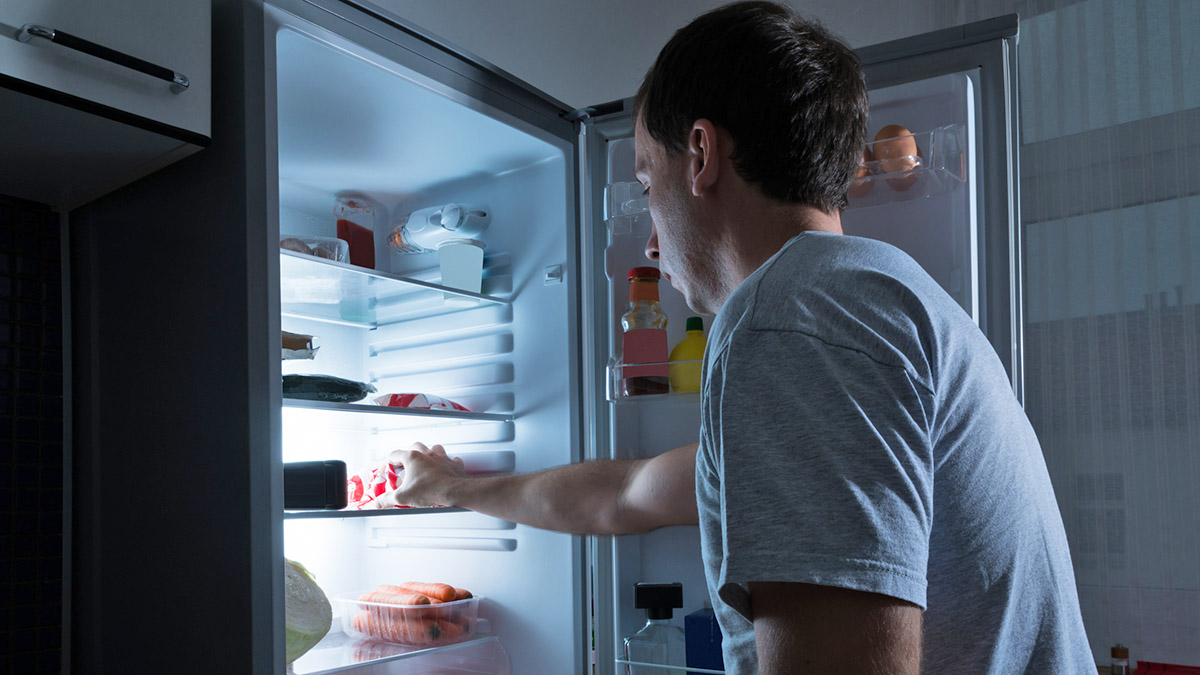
(178, 83)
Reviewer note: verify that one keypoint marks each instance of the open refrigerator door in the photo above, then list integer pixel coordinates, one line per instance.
(411, 335)
(940, 138)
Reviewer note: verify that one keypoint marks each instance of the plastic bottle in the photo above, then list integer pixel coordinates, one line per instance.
(659, 641)
(1120, 659)
(686, 376)
(645, 337)
(356, 226)
(424, 230)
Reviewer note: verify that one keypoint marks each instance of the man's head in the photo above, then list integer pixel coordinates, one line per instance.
(782, 104)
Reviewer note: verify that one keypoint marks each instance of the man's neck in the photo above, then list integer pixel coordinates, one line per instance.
(764, 233)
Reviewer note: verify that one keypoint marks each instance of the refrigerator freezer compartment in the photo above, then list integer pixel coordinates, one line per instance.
(618, 389)
(429, 625)
(342, 653)
(326, 290)
(939, 166)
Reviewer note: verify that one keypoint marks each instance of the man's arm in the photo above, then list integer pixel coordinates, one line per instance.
(602, 497)
(805, 628)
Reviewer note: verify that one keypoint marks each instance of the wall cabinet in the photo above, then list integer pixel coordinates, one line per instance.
(96, 95)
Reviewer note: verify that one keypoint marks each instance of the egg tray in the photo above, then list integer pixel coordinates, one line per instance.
(939, 167)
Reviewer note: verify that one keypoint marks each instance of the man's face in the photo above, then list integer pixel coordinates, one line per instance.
(677, 241)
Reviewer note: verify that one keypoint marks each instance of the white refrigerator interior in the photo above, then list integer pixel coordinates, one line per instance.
(351, 121)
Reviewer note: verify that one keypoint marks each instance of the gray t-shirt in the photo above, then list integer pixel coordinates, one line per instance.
(859, 431)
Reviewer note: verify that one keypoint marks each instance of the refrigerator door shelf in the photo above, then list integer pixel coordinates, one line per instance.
(336, 292)
(939, 167)
(627, 208)
(341, 653)
(616, 372)
(649, 668)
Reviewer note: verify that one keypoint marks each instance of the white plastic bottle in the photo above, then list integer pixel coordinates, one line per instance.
(660, 641)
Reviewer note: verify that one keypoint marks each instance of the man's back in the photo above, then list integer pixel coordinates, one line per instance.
(884, 433)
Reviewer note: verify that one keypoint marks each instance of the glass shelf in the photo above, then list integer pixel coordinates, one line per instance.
(616, 392)
(416, 415)
(341, 653)
(939, 167)
(367, 513)
(325, 290)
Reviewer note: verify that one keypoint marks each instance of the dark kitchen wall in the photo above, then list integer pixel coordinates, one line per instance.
(31, 434)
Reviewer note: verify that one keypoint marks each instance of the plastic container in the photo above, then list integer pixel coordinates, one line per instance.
(414, 625)
(939, 166)
(328, 248)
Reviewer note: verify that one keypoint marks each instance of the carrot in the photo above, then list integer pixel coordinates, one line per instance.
(435, 592)
(450, 631)
(462, 594)
(394, 595)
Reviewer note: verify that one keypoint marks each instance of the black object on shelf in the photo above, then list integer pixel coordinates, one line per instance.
(314, 485)
(658, 599)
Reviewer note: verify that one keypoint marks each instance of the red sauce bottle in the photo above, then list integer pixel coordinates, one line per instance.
(645, 338)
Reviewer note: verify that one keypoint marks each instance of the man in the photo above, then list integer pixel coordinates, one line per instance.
(871, 496)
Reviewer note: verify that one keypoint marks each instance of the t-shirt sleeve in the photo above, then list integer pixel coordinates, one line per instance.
(827, 468)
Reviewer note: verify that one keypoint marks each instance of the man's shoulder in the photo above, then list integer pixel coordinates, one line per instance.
(817, 276)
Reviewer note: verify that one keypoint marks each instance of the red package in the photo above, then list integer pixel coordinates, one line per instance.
(363, 489)
(1152, 668)
(419, 402)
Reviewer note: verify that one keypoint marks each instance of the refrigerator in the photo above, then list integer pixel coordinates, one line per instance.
(179, 292)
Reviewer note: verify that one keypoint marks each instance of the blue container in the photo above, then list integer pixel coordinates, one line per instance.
(703, 639)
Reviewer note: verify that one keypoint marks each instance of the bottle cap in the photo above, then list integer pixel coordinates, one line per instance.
(1120, 651)
(658, 599)
(643, 273)
(694, 323)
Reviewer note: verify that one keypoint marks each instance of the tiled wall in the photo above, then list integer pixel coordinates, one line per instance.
(31, 438)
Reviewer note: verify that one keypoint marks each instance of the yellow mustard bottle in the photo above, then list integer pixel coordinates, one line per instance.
(686, 376)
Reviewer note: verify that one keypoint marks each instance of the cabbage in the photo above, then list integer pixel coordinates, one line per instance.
(307, 611)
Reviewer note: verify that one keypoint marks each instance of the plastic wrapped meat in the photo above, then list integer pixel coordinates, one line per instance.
(325, 388)
(419, 402)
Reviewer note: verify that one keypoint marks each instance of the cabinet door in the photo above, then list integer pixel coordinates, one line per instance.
(174, 34)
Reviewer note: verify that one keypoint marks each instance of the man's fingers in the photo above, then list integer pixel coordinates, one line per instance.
(399, 457)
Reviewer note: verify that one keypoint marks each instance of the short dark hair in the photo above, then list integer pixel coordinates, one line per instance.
(792, 97)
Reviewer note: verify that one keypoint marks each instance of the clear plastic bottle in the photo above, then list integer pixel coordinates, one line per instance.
(659, 641)
(645, 337)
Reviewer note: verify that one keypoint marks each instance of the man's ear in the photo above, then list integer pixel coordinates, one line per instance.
(704, 157)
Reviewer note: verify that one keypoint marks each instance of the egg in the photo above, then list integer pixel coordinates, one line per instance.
(896, 151)
(861, 188)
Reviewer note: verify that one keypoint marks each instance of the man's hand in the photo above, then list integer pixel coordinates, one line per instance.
(429, 478)
(805, 628)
